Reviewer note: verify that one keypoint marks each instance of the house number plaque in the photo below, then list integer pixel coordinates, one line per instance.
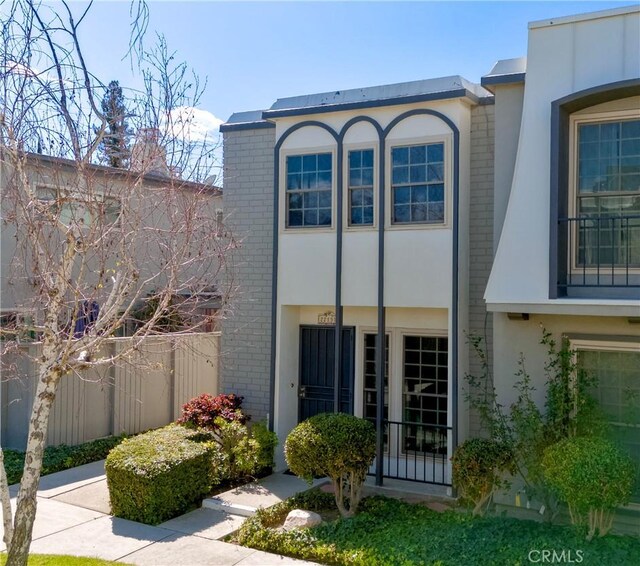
(327, 318)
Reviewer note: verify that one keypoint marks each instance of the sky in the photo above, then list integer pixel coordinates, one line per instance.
(252, 53)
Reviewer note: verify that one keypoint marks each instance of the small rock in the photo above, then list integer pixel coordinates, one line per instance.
(299, 519)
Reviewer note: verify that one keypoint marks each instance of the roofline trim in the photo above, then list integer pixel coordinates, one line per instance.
(237, 126)
(342, 106)
(510, 78)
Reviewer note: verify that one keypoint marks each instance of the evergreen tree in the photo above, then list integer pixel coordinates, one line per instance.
(114, 148)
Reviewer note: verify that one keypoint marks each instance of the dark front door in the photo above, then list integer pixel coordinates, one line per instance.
(317, 370)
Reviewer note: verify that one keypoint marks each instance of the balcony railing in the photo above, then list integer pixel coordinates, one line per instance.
(602, 252)
(416, 452)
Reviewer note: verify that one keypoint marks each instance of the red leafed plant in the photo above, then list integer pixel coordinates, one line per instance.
(203, 410)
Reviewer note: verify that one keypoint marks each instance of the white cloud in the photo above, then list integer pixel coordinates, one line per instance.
(194, 124)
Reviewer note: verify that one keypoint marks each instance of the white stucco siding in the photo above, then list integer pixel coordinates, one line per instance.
(562, 59)
(418, 268)
(307, 269)
(522, 338)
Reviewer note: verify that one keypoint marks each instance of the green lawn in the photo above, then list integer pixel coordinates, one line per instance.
(394, 533)
(59, 560)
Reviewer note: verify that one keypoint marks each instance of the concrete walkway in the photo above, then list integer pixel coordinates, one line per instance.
(73, 518)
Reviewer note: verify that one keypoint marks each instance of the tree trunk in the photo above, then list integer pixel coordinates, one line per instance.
(18, 550)
(7, 518)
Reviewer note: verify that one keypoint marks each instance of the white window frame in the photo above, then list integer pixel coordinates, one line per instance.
(346, 208)
(575, 121)
(445, 139)
(282, 181)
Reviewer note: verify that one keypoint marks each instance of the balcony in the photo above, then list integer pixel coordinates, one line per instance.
(599, 256)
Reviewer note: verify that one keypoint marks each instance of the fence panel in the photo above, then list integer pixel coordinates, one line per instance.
(147, 391)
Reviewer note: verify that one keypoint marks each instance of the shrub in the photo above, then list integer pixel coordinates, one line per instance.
(478, 465)
(339, 446)
(62, 457)
(239, 451)
(202, 411)
(160, 474)
(592, 476)
(267, 442)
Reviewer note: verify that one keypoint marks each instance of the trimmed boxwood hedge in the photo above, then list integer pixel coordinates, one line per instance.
(161, 474)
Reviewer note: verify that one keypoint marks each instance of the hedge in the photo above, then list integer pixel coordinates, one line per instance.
(161, 474)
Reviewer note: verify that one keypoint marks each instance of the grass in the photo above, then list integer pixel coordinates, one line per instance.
(388, 532)
(61, 560)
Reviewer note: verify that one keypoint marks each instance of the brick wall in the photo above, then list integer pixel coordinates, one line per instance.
(248, 208)
(481, 235)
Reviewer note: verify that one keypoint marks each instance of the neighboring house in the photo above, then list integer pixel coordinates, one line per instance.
(378, 211)
(110, 399)
(567, 221)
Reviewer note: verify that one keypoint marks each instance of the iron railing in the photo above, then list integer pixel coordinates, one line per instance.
(602, 251)
(416, 452)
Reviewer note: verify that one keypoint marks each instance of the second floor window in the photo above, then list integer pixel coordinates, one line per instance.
(361, 187)
(308, 194)
(417, 184)
(608, 194)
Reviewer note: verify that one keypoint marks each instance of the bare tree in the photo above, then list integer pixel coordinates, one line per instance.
(87, 248)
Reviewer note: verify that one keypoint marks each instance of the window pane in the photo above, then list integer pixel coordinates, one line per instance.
(418, 154)
(324, 199)
(294, 164)
(367, 197)
(310, 217)
(311, 199)
(355, 177)
(400, 156)
(356, 215)
(402, 195)
(401, 213)
(295, 201)
(400, 175)
(367, 158)
(367, 177)
(295, 218)
(324, 217)
(294, 181)
(309, 163)
(324, 162)
(435, 152)
(418, 174)
(355, 159)
(324, 180)
(419, 194)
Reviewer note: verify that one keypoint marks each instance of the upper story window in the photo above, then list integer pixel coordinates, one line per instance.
(308, 184)
(607, 194)
(361, 187)
(417, 184)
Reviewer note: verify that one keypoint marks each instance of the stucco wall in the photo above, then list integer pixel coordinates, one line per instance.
(248, 205)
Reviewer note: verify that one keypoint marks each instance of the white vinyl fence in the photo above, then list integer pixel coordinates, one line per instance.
(130, 396)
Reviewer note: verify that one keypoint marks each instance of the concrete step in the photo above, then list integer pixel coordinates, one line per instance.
(247, 499)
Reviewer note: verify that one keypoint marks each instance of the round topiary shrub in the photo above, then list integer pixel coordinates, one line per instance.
(336, 445)
(478, 466)
(592, 476)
